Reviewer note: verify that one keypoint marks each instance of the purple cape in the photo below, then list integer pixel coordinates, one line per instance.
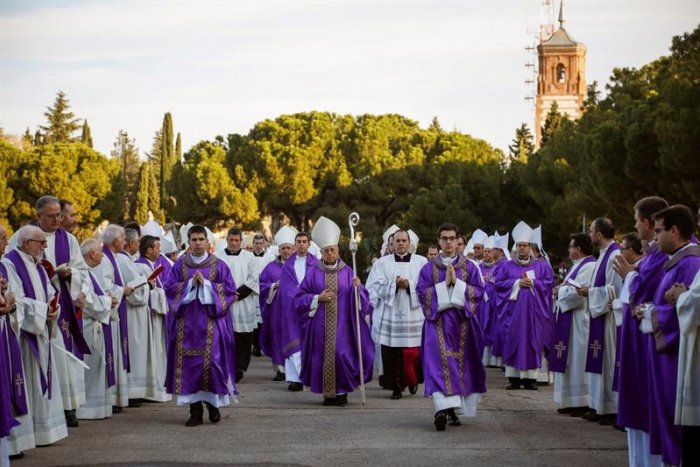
(523, 319)
(272, 314)
(452, 339)
(664, 436)
(633, 358)
(329, 345)
(293, 329)
(200, 337)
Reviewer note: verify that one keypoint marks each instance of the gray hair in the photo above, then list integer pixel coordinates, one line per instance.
(130, 235)
(25, 233)
(42, 202)
(111, 233)
(89, 245)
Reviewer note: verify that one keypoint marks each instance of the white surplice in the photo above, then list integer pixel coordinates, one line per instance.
(242, 268)
(96, 311)
(602, 398)
(400, 321)
(47, 417)
(687, 388)
(571, 388)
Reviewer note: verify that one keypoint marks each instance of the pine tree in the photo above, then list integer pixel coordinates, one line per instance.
(522, 146)
(86, 135)
(128, 156)
(61, 121)
(435, 125)
(38, 138)
(592, 97)
(27, 138)
(551, 123)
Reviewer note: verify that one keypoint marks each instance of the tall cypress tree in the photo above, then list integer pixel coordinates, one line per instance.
(86, 135)
(128, 156)
(141, 197)
(178, 149)
(167, 157)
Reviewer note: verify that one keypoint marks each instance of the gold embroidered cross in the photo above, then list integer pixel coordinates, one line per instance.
(561, 348)
(595, 347)
(19, 382)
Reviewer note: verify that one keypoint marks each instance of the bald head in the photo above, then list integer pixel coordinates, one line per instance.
(91, 250)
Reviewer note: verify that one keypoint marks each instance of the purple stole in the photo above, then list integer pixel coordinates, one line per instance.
(18, 396)
(69, 324)
(159, 284)
(596, 336)
(121, 308)
(107, 333)
(33, 340)
(562, 331)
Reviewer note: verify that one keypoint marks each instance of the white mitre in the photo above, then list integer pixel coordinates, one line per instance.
(522, 233)
(325, 232)
(286, 235)
(501, 241)
(537, 236)
(469, 248)
(414, 241)
(389, 232)
(167, 244)
(490, 242)
(184, 229)
(479, 237)
(152, 228)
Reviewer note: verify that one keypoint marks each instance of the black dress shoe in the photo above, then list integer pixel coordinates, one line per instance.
(17, 456)
(194, 420)
(71, 418)
(591, 416)
(295, 387)
(329, 401)
(239, 375)
(214, 413)
(256, 352)
(565, 410)
(341, 400)
(196, 415)
(579, 411)
(515, 383)
(396, 395)
(413, 389)
(440, 420)
(135, 403)
(530, 385)
(453, 419)
(279, 376)
(116, 409)
(608, 419)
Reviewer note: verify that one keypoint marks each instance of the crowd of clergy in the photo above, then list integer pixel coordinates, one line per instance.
(132, 316)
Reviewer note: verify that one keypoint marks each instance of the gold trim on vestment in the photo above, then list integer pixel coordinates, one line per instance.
(180, 351)
(207, 354)
(293, 343)
(331, 326)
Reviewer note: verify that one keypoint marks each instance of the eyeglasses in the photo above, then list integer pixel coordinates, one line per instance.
(43, 242)
(448, 239)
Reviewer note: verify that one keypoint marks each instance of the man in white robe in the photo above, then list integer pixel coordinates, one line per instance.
(141, 347)
(400, 324)
(570, 386)
(244, 310)
(260, 260)
(149, 252)
(34, 294)
(605, 286)
(97, 314)
(109, 274)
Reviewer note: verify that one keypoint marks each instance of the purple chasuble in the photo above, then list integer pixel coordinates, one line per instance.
(496, 307)
(633, 355)
(548, 316)
(484, 314)
(17, 393)
(596, 336)
(8, 391)
(664, 436)
(293, 324)
(452, 340)
(121, 308)
(107, 334)
(16, 259)
(272, 313)
(562, 330)
(329, 344)
(201, 354)
(523, 319)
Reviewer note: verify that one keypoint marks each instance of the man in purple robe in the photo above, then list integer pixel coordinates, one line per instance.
(496, 304)
(450, 290)
(326, 302)
(522, 287)
(292, 275)
(673, 227)
(487, 268)
(640, 283)
(271, 307)
(201, 358)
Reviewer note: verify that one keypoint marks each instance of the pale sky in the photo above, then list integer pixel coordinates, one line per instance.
(221, 66)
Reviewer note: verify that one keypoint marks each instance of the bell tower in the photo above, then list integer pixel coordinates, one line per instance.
(561, 76)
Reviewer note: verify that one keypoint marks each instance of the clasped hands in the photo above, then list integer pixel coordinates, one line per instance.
(329, 294)
(451, 275)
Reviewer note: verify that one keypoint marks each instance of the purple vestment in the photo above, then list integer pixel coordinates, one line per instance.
(293, 323)
(272, 313)
(107, 336)
(633, 358)
(200, 339)
(523, 319)
(486, 306)
(497, 306)
(664, 436)
(121, 308)
(7, 381)
(329, 344)
(548, 316)
(452, 338)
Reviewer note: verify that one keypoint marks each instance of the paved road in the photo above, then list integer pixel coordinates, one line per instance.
(273, 426)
